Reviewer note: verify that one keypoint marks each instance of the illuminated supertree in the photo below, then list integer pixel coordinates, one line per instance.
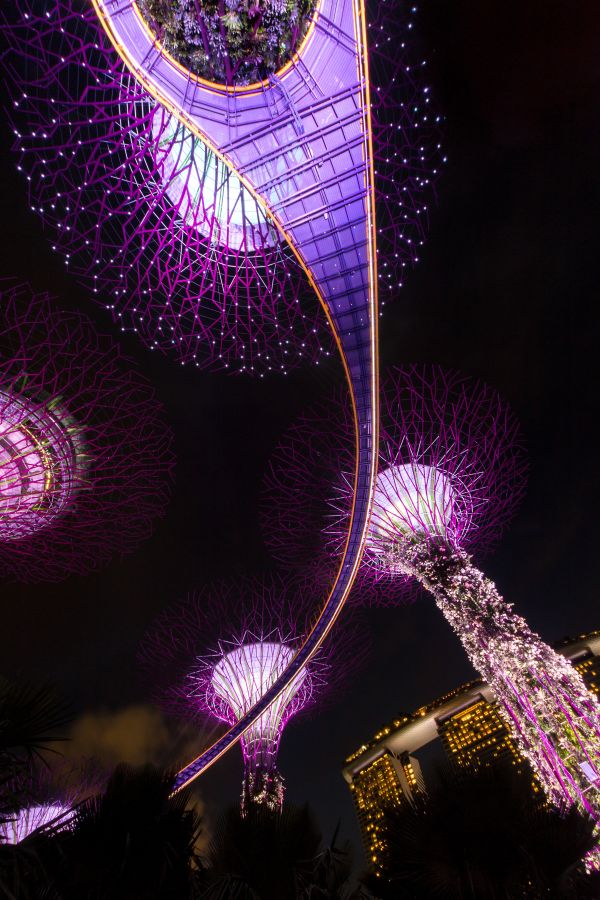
(215, 654)
(29, 819)
(159, 227)
(44, 797)
(120, 141)
(451, 472)
(85, 456)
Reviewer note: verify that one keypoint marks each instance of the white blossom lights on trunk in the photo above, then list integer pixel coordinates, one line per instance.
(543, 698)
(451, 474)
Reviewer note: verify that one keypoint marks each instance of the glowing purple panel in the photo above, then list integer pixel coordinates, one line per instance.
(217, 654)
(29, 819)
(85, 456)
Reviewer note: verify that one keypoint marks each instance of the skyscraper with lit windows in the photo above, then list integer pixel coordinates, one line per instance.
(385, 772)
(477, 736)
(385, 783)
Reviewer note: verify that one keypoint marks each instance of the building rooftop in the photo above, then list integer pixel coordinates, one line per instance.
(410, 731)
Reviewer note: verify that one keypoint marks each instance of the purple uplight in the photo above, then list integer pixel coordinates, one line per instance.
(85, 456)
(450, 466)
(217, 654)
(411, 497)
(163, 232)
(240, 679)
(27, 820)
(41, 465)
(233, 684)
(451, 472)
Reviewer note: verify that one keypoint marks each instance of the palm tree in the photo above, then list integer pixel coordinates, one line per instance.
(135, 841)
(30, 721)
(486, 836)
(274, 856)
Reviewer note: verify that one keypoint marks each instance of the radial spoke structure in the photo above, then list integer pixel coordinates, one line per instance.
(451, 472)
(86, 457)
(219, 652)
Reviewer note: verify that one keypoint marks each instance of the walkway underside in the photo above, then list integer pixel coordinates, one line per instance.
(301, 144)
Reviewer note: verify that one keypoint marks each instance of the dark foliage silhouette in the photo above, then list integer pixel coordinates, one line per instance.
(265, 856)
(486, 836)
(132, 842)
(31, 719)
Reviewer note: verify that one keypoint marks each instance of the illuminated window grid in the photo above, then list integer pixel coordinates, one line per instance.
(375, 790)
(589, 669)
(477, 736)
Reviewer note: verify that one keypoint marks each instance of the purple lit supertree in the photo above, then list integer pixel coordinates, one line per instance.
(85, 456)
(29, 819)
(451, 473)
(158, 226)
(44, 797)
(215, 654)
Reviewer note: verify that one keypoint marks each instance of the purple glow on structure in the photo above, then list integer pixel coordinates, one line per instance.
(306, 135)
(458, 473)
(218, 653)
(206, 194)
(161, 230)
(410, 498)
(234, 684)
(29, 819)
(451, 473)
(240, 679)
(39, 465)
(85, 457)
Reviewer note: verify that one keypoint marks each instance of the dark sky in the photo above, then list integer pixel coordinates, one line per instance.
(506, 290)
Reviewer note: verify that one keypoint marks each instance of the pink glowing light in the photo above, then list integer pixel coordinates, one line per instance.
(413, 498)
(29, 819)
(85, 454)
(40, 465)
(216, 654)
(241, 679)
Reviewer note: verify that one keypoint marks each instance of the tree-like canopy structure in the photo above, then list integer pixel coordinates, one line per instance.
(28, 819)
(451, 473)
(86, 457)
(159, 227)
(214, 655)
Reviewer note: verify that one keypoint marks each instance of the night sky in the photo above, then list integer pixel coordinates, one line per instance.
(506, 290)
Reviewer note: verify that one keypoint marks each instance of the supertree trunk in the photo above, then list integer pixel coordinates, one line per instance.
(554, 717)
(263, 786)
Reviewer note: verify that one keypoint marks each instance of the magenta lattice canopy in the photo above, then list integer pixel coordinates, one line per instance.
(85, 454)
(451, 465)
(451, 471)
(162, 231)
(215, 654)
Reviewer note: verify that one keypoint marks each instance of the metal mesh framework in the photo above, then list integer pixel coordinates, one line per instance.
(301, 515)
(160, 228)
(301, 144)
(451, 473)
(215, 654)
(29, 819)
(431, 421)
(85, 456)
